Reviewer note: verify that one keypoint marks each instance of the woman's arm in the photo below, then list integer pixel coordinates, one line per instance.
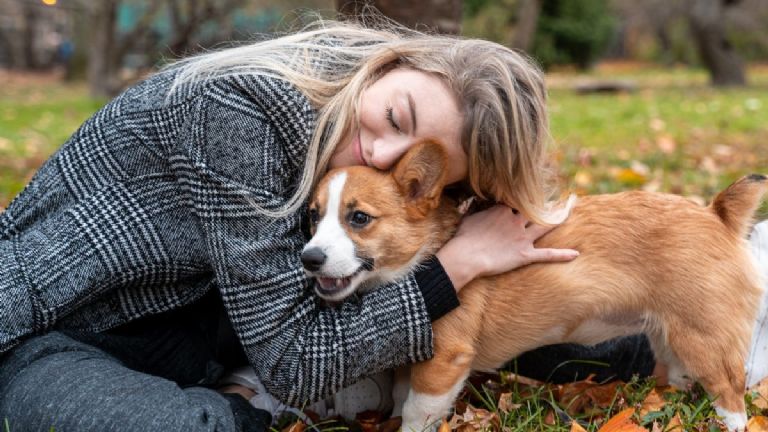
(476, 251)
(237, 156)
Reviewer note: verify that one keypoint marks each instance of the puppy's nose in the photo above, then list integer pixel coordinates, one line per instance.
(312, 258)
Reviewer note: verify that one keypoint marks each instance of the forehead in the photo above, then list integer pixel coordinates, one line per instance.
(355, 186)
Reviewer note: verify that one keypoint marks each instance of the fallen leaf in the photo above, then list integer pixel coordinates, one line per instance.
(582, 179)
(444, 427)
(622, 422)
(549, 418)
(506, 405)
(760, 394)
(297, 426)
(758, 424)
(666, 144)
(640, 168)
(628, 176)
(657, 124)
(675, 424)
(576, 427)
(709, 165)
(652, 402)
(581, 396)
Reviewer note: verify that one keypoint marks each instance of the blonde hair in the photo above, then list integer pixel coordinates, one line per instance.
(500, 92)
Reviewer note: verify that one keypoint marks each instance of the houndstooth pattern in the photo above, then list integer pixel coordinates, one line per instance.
(151, 203)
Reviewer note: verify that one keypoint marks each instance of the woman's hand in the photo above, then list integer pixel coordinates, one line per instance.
(495, 241)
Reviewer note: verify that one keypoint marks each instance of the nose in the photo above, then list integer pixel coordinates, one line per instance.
(386, 152)
(312, 258)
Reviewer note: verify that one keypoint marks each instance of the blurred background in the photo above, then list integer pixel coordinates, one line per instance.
(667, 95)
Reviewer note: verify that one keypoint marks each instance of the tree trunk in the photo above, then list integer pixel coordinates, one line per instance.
(527, 23)
(443, 16)
(101, 65)
(30, 15)
(706, 18)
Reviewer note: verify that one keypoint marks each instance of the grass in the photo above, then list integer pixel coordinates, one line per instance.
(37, 114)
(674, 133)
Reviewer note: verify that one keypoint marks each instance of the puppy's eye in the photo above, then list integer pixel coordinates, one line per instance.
(359, 219)
(314, 216)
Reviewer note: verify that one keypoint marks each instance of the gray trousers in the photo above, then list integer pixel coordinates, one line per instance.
(153, 376)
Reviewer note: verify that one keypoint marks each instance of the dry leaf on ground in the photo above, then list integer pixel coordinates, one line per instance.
(622, 422)
(297, 426)
(505, 403)
(675, 424)
(576, 427)
(760, 391)
(654, 401)
(758, 424)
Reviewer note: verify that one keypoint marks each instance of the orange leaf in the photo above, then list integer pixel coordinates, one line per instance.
(444, 427)
(675, 424)
(758, 424)
(653, 402)
(576, 427)
(622, 422)
(666, 144)
(298, 426)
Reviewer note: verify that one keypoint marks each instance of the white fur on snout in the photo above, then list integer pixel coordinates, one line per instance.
(330, 236)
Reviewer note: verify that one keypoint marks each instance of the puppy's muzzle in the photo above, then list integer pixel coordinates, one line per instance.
(312, 259)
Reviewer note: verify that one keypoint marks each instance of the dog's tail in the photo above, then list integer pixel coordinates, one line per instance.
(737, 203)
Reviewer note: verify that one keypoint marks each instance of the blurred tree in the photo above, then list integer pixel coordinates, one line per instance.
(707, 18)
(706, 32)
(527, 23)
(443, 16)
(109, 47)
(573, 32)
(30, 15)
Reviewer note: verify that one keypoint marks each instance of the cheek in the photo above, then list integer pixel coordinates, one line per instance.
(391, 247)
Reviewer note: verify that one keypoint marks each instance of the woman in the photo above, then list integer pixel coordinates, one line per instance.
(160, 245)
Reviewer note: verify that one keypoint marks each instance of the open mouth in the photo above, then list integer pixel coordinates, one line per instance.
(331, 286)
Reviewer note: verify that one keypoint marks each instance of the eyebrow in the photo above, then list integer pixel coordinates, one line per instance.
(412, 106)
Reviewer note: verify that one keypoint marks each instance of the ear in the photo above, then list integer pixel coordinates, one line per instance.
(420, 177)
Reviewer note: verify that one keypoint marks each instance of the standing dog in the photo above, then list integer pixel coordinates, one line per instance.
(649, 262)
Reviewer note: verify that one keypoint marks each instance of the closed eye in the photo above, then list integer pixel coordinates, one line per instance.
(391, 119)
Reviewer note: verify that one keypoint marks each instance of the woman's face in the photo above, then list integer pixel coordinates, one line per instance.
(396, 111)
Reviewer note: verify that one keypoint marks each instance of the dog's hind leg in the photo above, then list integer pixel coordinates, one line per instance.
(717, 363)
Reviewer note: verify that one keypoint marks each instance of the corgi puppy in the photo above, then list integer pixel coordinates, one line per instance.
(649, 262)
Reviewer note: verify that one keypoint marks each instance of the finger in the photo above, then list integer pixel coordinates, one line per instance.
(551, 255)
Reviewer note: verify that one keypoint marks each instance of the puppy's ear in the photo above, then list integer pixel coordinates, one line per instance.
(420, 177)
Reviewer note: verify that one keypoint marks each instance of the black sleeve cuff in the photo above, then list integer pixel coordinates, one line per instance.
(438, 291)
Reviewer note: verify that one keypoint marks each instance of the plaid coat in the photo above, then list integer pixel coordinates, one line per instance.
(142, 210)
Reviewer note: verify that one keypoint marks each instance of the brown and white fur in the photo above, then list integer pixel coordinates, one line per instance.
(649, 262)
